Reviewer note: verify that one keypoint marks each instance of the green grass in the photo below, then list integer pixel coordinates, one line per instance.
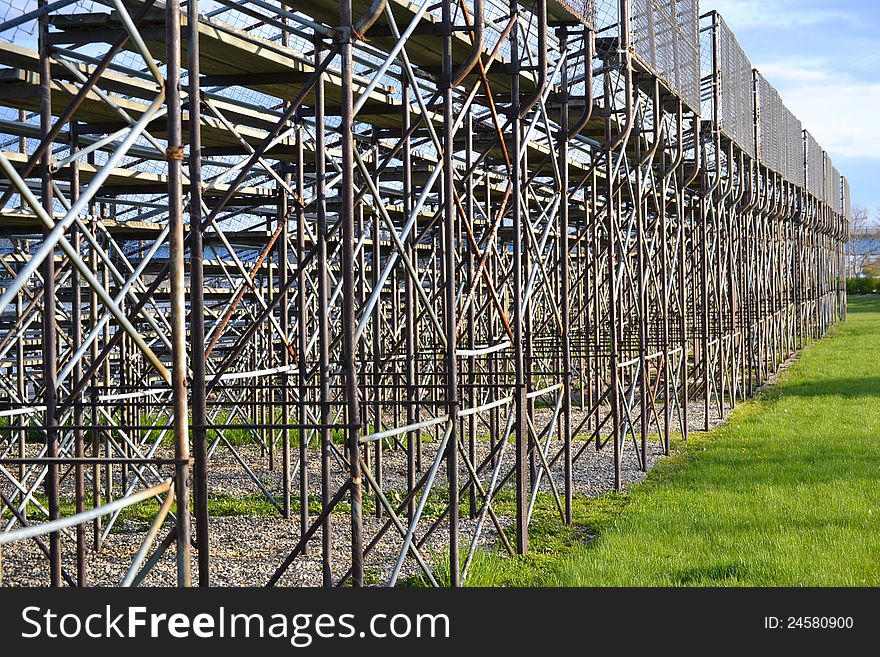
(255, 504)
(549, 540)
(787, 493)
(143, 513)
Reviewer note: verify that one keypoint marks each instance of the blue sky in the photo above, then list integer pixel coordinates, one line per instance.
(824, 58)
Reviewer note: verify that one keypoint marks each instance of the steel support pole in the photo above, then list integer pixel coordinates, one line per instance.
(197, 300)
(410, 300)
(284, 323)
(302, 302)
(349, 364)
(322, 274)
(49, 324)
(76, 341)
(564, 282)
(180, 419)
(283, 217)
(521, 430)
(447, 251)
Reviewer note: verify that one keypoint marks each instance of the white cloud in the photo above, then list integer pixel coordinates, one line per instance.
(838, 110)
(769, 13)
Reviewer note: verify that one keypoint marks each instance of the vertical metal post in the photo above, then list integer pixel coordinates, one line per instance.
(611, 275)
(302, 334)
(197, 300)
(284, 325)
(375, 266)
(323, 323)
(449, 324)
(472, 378)
(94, 434)
(352, 431)
(564, 282)
(49, 326)
(409, 304)
(180, 418)
(76, 341)
(521, 431)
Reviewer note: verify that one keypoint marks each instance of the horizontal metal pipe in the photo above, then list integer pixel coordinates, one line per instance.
(85, 516)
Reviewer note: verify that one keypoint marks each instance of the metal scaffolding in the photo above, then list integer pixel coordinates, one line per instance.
(418, 258)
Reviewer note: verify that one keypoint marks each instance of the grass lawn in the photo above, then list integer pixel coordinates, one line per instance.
(787, 493)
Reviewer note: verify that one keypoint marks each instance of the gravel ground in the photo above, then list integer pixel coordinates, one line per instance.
(246, 550)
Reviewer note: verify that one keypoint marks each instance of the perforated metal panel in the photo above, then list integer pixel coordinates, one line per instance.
(793, 147)
(827, 185)
(836, 195)
(666, 41)
(584, 10)
(815, 174)
(736, 110)
(770, 125)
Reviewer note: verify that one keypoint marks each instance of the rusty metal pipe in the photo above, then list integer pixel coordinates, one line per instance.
(588, 82)
(541, 12)
(459, 74)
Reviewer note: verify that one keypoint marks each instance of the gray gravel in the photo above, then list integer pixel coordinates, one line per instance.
(246, 550)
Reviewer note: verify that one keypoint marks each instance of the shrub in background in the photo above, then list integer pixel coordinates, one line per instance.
(864, 285)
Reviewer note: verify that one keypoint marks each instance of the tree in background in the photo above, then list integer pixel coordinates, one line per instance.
(864, 244)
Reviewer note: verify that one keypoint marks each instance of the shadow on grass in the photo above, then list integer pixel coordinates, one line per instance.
(778, 471)
(866, 386)
(716, 573)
